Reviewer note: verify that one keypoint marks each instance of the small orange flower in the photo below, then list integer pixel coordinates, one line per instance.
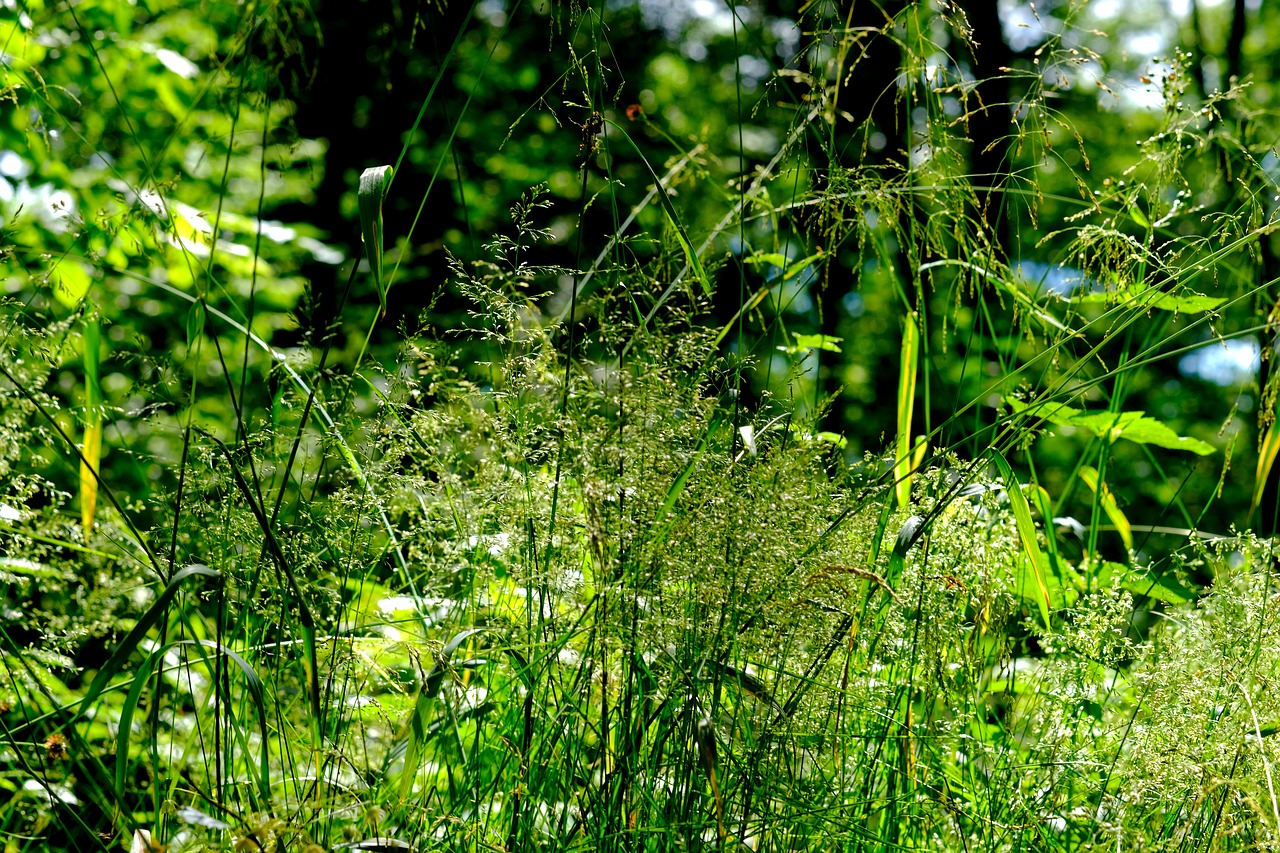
(634, 112)
(56, 746)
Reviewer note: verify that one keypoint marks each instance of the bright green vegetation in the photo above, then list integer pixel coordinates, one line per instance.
(803, 453)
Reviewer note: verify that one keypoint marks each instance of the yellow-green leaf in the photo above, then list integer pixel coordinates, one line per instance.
(1108, 503)
(1266, 461)
(1026, 533)
(91, 447)
(908, 365)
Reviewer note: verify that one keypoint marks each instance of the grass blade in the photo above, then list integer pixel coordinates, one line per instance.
(1026, 533)
(91, 447)
(1266, 461)
(909, 364)
(126, 647)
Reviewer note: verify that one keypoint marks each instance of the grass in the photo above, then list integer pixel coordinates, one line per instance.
(590, 573)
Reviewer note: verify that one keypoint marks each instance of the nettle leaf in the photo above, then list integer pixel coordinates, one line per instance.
(1185, 302)
(1143, 581)
(810, 342)
(1135, 426)
(776, 259)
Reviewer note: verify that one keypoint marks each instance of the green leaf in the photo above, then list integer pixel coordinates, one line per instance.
(690, 254)
(833, 438)
(374, 184)
(419, 729)
(822, 342)
(1135, 426)
(907, 536)
(195, 323)
(1026, 533)
(72, 283)
(1145, 582)
(908, 366)
(91, 447)
(678, 486)
(127, 646)
(1185, 302)
(1266, 461)
(1136, 214)
(777, 259)
(1108, 503)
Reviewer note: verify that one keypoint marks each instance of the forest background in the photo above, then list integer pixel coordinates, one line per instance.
(877, 258)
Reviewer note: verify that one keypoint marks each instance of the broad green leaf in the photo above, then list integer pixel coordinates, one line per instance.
(1026, 533)
(777, 259)
(1135, 426)
(1185, 302)
(374, 183)
(1108, 503)
(822, 342)
(1145, 582)
(71, 283)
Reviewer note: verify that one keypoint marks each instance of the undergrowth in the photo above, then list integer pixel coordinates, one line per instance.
(583, 569)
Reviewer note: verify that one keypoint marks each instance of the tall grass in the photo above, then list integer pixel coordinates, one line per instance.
(585, 570)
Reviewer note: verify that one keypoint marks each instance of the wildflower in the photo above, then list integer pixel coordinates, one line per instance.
(56, 746)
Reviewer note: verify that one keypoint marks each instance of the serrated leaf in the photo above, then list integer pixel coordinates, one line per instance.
(1144, 582)
(1185, 302)
(1135, 426)
(822, 342)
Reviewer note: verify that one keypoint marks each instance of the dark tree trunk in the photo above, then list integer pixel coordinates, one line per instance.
(989, 119)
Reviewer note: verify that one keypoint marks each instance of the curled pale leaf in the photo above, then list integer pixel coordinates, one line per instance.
(374, 184)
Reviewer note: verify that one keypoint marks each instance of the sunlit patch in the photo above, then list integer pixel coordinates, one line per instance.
(1231, 362)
